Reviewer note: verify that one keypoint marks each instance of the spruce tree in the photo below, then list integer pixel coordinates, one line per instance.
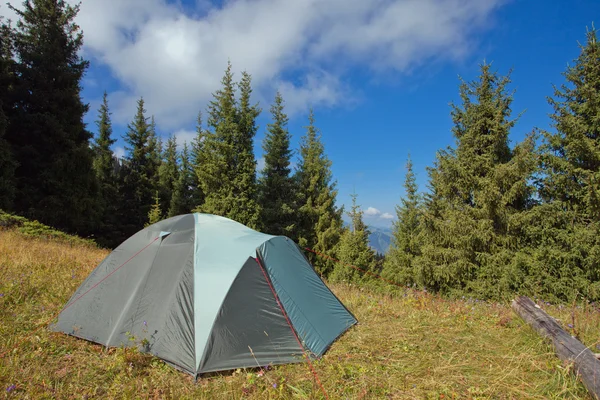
(7, 163)
(168, 174)
(55, 178)
(564, 230)
(479, 191)
(354, 250)
(406, 237)
(104, 166)
(182, 201)
(155, 151)
(138, 182)
(276, 189)
(217, 159)
(320, 221)
(227, 168)
(245, 208)
(195, 162)
(155, 213)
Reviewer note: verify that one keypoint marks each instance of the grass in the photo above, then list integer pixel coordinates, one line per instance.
(407, 345)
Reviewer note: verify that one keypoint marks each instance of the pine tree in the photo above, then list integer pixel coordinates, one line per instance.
(564, 230)
(140, 168)
(354, 250)
(155, 151)
(182, 201)
(227, 168)
(276, 189)
(195, 162)
(478, 191)
(7, 163)
(217, 160)
(104, 166)
(406, 238)
(168, 174)
(55, 178)
(245, 207)
(155, 214)
(320, 221)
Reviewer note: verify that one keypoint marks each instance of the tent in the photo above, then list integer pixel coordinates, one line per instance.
(205, 293)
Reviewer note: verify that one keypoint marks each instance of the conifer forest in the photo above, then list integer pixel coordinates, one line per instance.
(496, 218)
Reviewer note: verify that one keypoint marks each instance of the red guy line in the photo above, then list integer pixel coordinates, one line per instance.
(78, 298)
(292, 329)
(353, 266)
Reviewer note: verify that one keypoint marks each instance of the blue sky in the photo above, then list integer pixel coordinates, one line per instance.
(379, 74)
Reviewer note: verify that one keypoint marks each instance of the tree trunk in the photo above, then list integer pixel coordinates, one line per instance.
(569, 349)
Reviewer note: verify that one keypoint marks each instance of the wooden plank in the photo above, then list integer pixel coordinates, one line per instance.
(569, 349)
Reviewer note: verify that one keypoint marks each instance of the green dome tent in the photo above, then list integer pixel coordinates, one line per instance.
(205, 293)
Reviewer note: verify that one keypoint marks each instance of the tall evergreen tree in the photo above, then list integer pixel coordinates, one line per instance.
(406, 238)
(140, 169)
(564, 231)
(7, 163)
(354, 250)
(182, 201)
(320, 221)
(245, 207)
(227, 168)
(55, 179)
(478, 191)
(168, 174)
(276, 189)
(104, 166)
(155, 151)
(195, 162)
(216, 161)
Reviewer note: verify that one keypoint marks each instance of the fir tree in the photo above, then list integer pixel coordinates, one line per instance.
(478, 193)
(277, 191)
(564, 230)
(168, 174)
(182, 201)
(216, 159)
(195, 162)
(155, 214)
(140, 168)
(406, 238)
(320, 221)
(104, 166)
(155, 151)
(55, 178)
(227, 168)
(354, 250)
(7, 163)
(245, 208)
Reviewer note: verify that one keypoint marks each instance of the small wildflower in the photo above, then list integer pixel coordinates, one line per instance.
(275, 385)
(1, 294)
(11, 388)
(570, 326)
(145, 323)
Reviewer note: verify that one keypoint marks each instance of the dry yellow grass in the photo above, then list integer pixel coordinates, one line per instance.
(407, 345)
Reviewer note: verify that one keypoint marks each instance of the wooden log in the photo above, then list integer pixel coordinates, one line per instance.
(569, 349)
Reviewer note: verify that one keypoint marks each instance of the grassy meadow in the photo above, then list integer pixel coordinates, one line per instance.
(407, 345)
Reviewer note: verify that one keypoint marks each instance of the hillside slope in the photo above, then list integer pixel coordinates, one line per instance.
(407, 345)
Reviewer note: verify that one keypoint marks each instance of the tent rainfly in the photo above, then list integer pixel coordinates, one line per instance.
(205, 293)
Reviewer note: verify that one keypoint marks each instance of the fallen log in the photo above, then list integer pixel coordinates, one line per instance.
(568, 349)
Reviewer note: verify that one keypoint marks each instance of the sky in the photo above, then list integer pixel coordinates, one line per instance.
(379, 74)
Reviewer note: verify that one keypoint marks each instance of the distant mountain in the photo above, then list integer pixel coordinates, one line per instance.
(380, 239)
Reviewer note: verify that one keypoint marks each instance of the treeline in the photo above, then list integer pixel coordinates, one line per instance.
(56, 171)
(498, 220)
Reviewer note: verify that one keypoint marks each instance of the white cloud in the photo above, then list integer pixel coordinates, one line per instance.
(176, 58)
(119, 152)
(372, 212)
(387, 216)
(184, 136)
